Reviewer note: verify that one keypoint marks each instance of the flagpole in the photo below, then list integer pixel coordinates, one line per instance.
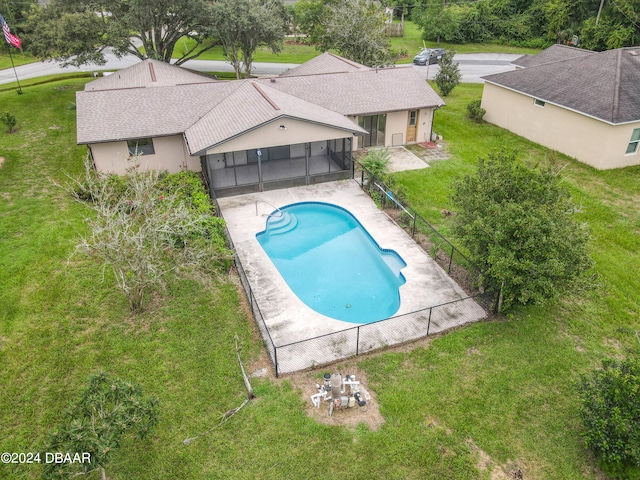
(14, 70)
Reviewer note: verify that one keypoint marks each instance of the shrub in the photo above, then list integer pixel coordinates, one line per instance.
(106, 412)
(475, 112)
(377, 162)
(518, 224)
(147, 225)
(9, 120)
(610, 411)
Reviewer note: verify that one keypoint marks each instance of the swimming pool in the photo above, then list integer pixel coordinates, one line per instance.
(331, 263)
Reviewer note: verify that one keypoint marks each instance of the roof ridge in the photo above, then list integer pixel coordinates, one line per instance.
(615, 107)
(349, 62)
(265, 96)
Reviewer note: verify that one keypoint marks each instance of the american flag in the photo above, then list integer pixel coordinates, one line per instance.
(8, 36)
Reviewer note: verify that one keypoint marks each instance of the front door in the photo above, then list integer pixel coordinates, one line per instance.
(412, 126)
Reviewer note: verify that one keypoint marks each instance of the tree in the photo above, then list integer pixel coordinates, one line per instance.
(108, 410)
(449, 75)
(77, 32)
(610, 411)
(13, 12)
(606, 35)
(519, 228)
(354, 28)
(293, 21)
(244, 25)
(436, 21)
(312, 18)
(618, 26)
(144, 231)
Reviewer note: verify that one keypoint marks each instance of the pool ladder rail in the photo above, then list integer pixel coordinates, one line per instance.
(278, 221)
(268, 214)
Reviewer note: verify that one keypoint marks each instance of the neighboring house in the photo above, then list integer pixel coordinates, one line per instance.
(256, 134)
(581, 103)
(554, 53)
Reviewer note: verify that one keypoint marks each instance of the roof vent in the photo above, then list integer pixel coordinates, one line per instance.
(273, 80)
(633, 52)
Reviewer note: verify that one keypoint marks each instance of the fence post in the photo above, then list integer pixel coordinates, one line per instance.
(358, 341)
(275, 358)
(428, 324)
(413, 228)
(453, 249)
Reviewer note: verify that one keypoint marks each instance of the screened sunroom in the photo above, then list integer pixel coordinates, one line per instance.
(268, 168)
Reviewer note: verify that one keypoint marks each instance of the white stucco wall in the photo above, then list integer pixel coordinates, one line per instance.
(271, 135)
(397, 123)
(170, 155)
(590, 141)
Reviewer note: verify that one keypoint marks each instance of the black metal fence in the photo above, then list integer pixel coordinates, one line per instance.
(365, 338)
(448, 256)
(335, 346)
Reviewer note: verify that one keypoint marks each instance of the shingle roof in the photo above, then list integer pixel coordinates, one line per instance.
(325, 63)
(110, 115)
(148, 73)
(133, 103)
(362, 92)
(265, 105)
(604, 85)
(554, 53)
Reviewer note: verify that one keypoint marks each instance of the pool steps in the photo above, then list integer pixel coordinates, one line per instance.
(277, 225)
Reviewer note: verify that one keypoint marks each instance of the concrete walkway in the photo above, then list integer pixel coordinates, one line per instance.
(290, 320)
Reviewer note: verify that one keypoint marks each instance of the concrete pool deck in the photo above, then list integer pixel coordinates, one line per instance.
(288, 319)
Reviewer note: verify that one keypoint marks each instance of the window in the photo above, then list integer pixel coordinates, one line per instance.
(634, 142)
(141, 146)
(538, 103)
(412, 118)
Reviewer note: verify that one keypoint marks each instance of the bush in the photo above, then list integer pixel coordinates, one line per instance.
(475, 112)
(377, 162)
(9, 120)
(147, 224)
(610, 410)
(106, 412)
(519, 227)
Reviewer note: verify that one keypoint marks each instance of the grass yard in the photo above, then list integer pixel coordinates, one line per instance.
(19, 58)
(480, 402)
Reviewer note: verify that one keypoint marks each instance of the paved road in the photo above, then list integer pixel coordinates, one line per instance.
(472, 66)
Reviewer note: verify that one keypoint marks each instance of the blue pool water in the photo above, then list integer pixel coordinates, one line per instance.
(332, 263)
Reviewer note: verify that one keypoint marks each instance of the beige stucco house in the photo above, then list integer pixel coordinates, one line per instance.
(581, 103)
(257, 134)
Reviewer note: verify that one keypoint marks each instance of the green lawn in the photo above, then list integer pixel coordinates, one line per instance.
(504, 387)
(18, 58)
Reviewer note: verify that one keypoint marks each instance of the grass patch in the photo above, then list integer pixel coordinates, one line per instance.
(503, 387)
(513, 394)
(18, 58)
(291, 53)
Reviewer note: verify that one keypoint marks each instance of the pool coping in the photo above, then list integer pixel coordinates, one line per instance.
(287, 318)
